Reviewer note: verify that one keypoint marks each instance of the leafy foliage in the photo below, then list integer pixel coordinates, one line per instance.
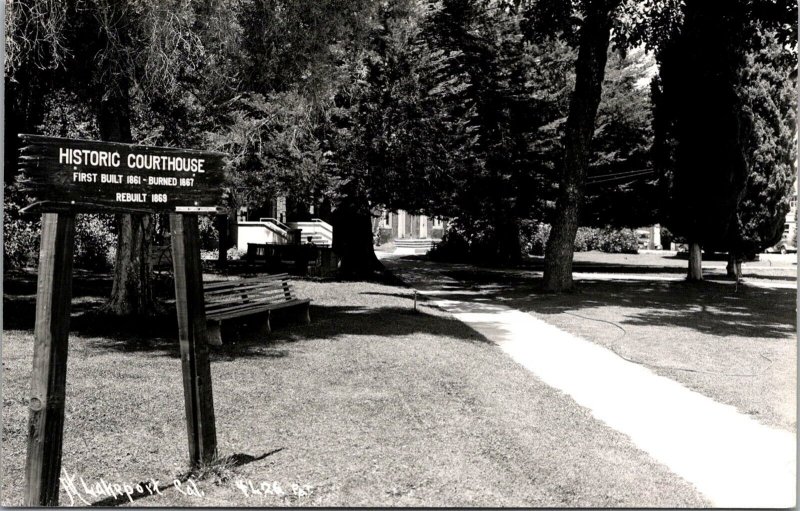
(273, 148)
(702, 123)
(608, 239)
(20, 234)
(726, 152)
(95, 242)
(468, 131)
(769, 100)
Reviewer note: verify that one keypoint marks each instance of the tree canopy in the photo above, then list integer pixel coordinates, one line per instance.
(493, 114)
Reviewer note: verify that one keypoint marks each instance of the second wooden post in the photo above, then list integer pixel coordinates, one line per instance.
(198, 398)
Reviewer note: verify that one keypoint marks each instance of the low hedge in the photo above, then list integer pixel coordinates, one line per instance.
(611, 240)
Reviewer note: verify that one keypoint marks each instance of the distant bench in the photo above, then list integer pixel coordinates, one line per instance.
(299, 259)
(257, 296)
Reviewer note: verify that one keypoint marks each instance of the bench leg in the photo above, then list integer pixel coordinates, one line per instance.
(265, 329)
(307, 314)
(214, 333)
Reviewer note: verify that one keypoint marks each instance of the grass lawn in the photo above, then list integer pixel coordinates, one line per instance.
(370, 405)
(736, 345)
(739, 348)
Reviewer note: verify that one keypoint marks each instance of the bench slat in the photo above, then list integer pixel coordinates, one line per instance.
(236, 294)
(234, 290)
(216, 287)
(224, 305)
(254, 279)
(249, 289)
(250, 293)
(239, 282)
(246, 311)
(236, 298)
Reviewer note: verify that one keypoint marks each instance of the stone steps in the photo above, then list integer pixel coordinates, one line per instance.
(413, 245)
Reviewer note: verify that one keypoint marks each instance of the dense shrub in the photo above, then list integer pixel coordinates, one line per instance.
(476, 241)
(534, 237)
(209, 236)
(611, 240)
(473, 244)
(20, 242)
(586, 239)
(20, 234)
(95, 242)
(234, 254)
(666, 238)
(454, 247)
(617, 241)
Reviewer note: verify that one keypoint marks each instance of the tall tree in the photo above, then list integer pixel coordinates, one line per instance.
(699, 74)
(705, 131)
(768, 98)
(35, 52)
(370, 129)
(460, 134)
(292, 66)
(132, 290)
(594, 40)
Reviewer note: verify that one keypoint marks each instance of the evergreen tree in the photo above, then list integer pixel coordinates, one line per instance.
(712, 114)
(482, 83)
(768, 98)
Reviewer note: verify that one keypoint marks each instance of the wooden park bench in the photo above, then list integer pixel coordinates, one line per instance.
(256, 297)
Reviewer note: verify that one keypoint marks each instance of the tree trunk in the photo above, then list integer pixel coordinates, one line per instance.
(730, 268)
(132, 290)
(352, 242)
(589, 73)
(734, 267)
(695, 263)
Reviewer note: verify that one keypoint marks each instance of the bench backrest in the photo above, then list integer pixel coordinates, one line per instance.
(220, 296)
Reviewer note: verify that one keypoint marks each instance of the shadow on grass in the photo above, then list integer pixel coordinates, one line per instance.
(327, 323)
(716, 307)
(157, 335)
(84, 283)
(536, 263)
(710, 307)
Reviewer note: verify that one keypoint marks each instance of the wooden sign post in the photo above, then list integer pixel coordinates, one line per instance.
(53, 295)
(70, 176)
(192, 337)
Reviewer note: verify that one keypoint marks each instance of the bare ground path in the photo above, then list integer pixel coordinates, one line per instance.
(731, 458)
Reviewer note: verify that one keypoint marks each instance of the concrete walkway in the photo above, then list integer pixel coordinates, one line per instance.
(732, 459)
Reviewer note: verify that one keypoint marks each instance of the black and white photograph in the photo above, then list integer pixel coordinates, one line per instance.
(400, 253)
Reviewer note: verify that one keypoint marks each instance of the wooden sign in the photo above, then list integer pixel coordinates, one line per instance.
(84, 175)
(68, 176)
